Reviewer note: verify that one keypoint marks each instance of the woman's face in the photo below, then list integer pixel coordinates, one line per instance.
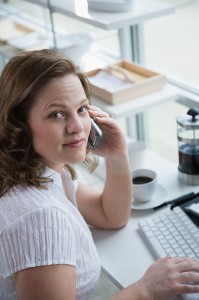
(60, 122)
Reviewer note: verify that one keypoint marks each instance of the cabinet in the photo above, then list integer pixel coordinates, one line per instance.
(97, 56)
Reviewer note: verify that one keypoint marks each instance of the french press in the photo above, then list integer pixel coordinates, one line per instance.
(188, 147)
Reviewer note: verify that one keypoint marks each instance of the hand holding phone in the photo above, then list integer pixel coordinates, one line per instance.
(95, 136)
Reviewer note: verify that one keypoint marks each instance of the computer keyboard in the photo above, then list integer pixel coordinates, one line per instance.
(172, 234)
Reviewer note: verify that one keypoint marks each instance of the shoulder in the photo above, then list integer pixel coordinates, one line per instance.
(19, 201)
(41, 237)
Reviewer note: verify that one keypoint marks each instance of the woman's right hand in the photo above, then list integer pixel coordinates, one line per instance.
(168, 277)
(164, 279)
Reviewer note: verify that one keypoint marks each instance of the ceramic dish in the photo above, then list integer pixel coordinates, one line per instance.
(74, 45)
(158, 198)
(28, 40)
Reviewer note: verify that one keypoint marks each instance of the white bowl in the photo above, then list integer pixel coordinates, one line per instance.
(74, 45)
(111, 5)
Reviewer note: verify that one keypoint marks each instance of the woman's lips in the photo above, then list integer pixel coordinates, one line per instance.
(75, 143)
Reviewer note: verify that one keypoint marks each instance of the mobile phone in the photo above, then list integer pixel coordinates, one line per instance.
(193, 208)
(95, 136)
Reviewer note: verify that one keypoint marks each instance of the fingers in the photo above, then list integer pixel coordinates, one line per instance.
(171, 276)
(185, 273)
(188, 288)
(185, 263)
(182, 264)
(96, 112)
(189, 278)
(93, 108)
(188, 265)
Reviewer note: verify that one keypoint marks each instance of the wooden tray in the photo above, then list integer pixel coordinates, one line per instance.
(123, 81)
(10, 29)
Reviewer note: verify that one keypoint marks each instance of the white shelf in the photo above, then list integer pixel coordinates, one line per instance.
(139, 104)
(142, 10)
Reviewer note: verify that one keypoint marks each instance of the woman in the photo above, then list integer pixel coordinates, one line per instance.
(46, 249)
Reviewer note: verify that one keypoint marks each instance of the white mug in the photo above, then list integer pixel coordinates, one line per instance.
(144, 184)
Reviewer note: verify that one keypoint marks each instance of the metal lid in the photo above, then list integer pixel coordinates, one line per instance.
(191, 121)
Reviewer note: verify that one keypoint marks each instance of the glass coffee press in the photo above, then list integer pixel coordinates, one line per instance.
(188, 147)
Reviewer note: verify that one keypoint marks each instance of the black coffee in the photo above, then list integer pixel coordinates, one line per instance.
(189, 159)
(142, 179)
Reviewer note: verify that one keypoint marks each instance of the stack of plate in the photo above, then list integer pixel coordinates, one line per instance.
(73, 45)
(111, 5)
(29, 41)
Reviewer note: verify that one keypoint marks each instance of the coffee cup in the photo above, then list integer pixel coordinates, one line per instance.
(144, 184)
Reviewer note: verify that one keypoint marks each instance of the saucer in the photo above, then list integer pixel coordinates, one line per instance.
(157, 199)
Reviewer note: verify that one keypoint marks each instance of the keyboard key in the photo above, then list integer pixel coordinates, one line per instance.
(159, 251)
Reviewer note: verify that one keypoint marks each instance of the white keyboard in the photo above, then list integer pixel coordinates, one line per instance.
(172, 234)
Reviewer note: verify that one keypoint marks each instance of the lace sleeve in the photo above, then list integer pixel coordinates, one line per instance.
(43, 237)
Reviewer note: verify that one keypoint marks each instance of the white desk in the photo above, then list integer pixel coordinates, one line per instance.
(124, 256)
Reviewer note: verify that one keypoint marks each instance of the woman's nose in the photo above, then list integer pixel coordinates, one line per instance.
(74, 125)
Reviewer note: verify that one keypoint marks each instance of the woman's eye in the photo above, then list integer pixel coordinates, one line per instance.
(83, 109)
(57, 115)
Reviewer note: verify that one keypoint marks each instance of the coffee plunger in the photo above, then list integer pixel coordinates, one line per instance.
(188, 147)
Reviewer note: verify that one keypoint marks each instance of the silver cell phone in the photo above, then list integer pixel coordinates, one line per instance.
(95, 136)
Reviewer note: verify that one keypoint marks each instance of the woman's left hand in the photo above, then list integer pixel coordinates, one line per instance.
(113, 143)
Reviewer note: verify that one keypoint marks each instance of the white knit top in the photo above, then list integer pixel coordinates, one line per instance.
(42, 227)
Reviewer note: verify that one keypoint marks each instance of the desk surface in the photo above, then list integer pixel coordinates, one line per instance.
(142, 10)
(123, 254)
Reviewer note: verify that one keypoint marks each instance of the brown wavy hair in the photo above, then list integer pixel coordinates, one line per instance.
(21, 79)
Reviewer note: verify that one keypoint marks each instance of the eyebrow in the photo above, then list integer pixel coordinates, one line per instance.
(84, 101)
